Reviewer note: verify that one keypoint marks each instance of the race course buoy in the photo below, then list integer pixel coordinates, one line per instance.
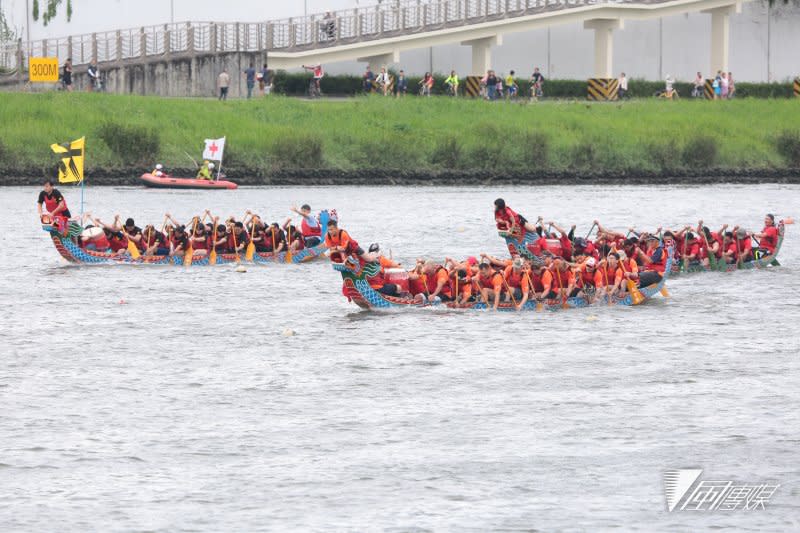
(288, 332)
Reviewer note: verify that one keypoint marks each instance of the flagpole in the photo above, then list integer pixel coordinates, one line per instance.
(219, 170)
(82, 188)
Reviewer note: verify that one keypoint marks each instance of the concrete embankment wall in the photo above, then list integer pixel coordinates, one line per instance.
(167, 76)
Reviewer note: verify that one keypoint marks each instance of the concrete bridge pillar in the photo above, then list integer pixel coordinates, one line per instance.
(603, 44)
(720, 35)
(381, 60)
(482, 53)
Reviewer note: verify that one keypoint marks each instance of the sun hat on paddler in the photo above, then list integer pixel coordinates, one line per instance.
(591, 262)
(742, 233)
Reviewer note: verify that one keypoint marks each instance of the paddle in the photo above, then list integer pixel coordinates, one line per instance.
(590, 230)
(564, 304)
(636, 295)
(738, 248)
(712, 259)
(250, 252)
(685, 262)
(132, 248)
(212, 257)
(289, 236)
(235, 246)
(539, 304)
(188, 255)
(510, 292)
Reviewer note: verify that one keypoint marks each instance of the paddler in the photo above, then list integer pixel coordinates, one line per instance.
(437, 281)
(205, 170)
(516, 281)
(54, 203)
(490, 282)
(154, 242)
(309, 227)
(133, 233)
(609, 276)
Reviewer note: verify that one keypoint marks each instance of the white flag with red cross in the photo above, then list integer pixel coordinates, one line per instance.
(214, 148)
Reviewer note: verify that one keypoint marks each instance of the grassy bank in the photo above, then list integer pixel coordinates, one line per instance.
(267, 135)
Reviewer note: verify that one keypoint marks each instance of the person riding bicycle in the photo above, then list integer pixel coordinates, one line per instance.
(452, 83)
(318, 74)
(426, 84)
(511, 85)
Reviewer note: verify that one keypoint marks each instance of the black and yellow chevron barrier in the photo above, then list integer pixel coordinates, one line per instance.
(472, 86)
(708, 89)
(797, 87)
(603, 89)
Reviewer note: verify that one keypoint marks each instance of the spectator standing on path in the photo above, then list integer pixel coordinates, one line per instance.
(66, 77)
(94, 77)
(731, 86)
(537, 83)
(329, 25)
(263, 77)
(250, 78)
(491, 85)
(223, 82)
(622, 90)
(698, 87)
(369, 78)
(723, 86)
(402, 84)
(717, 85)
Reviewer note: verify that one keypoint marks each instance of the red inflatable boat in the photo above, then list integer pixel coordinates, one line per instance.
(170, 182)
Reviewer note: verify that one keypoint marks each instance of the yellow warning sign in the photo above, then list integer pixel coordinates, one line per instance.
(43, 69)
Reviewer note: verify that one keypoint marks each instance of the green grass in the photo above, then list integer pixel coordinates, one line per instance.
(270, 134)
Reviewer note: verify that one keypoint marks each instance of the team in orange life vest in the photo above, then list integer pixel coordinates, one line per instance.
(490, 283)
(309, 226)
(517, 282)
(608, 277)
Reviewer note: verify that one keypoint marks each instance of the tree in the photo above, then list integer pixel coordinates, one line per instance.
(6, 32)
(50, 10)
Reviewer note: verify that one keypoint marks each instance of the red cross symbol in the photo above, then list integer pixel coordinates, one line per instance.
(213, 148)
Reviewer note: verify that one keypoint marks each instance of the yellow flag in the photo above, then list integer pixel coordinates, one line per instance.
(70, 168)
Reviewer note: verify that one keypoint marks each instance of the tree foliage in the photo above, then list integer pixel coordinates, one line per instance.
(6, 32)
(50, 10)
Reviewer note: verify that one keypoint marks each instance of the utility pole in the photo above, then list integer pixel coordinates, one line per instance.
(172, 11)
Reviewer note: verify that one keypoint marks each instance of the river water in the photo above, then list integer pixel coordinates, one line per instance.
(164, 399)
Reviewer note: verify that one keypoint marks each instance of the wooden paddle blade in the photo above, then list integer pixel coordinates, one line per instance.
(665, 292)
(212, 257)
(187, 257)
(289, 257)
(250, 252)
(539, 306)
(133, 250)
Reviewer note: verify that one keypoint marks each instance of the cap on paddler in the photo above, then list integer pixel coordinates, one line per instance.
(652, 237)
(591, 262)
(517, 263)
(374, 247)
(472, 260)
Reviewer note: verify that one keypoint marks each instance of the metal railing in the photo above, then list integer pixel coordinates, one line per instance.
(385, 20)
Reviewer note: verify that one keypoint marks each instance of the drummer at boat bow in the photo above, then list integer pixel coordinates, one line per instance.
(53, 202)
(309, 227)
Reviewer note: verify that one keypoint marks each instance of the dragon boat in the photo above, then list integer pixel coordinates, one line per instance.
(526, 247)
(66, 242)
(356, 288)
